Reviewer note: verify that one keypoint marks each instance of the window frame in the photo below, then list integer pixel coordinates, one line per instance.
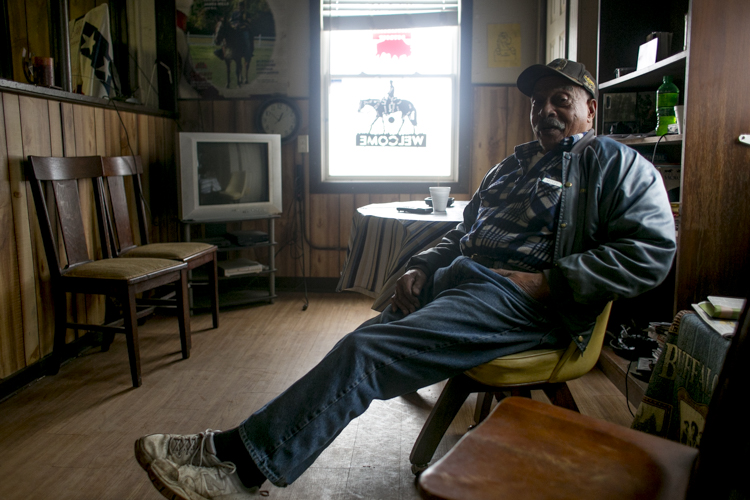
(465, 118)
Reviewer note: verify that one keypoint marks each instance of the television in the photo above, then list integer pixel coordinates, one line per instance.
(226, 177)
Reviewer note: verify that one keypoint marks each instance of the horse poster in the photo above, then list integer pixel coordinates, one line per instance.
(229, 48)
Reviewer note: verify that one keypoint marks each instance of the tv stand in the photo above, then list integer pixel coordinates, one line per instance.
(238, 289)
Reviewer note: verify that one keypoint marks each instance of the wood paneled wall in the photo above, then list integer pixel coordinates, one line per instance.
(33, 126)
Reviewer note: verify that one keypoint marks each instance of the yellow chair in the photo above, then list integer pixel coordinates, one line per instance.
(531, 450)
(519, 374)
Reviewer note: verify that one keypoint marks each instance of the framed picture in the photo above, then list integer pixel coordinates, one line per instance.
(231, 48)
(504, 40)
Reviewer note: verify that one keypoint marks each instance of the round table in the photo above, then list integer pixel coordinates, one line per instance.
(383, 239)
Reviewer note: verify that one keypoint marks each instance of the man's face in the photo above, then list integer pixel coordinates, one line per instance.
(560, 109)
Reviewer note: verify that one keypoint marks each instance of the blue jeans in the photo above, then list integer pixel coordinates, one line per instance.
(474, 316)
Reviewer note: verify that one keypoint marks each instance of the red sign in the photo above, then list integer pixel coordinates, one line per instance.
(393, 44)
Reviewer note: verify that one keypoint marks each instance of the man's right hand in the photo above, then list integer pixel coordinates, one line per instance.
(408, 288)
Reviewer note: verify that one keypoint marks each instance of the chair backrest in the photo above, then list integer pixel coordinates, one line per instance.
(115, 169)
(63, 174)
(722, 464)
(575, 363)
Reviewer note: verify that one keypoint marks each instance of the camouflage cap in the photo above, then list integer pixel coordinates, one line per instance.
(573, 71)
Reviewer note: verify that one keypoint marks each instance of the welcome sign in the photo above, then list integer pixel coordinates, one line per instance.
(408, 141)
(392, 105)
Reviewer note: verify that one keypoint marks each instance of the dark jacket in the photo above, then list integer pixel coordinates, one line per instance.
(615, 233)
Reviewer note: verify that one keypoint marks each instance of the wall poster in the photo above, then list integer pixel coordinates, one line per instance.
(230, 48)
(504, 40)
(503, 45)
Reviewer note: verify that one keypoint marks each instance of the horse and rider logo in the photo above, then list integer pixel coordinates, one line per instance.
(235, 45)
(387, 109)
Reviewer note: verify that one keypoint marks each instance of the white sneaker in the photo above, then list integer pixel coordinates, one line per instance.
(190, 482)
(192, 449)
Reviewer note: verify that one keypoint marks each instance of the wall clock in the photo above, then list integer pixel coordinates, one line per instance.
(279, 115)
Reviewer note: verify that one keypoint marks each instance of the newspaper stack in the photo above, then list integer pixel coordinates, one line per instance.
(720, 313)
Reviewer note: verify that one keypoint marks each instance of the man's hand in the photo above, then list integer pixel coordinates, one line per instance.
(408, 288)
(534, 284)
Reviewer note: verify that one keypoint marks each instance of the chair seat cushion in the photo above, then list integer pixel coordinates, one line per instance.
(122, 269)
(522, 368)
(532, 450)
(174, 251)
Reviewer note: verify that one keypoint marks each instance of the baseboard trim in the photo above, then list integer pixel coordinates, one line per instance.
(26, 376)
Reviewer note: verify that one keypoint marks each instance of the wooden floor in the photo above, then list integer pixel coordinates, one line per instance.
(71, 436)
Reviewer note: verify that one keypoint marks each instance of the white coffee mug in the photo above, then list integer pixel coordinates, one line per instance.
(439, 198)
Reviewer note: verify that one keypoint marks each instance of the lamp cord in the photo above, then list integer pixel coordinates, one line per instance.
(653, 155)
(627, 400)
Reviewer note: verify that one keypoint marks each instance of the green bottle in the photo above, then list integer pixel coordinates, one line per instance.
(666, 99)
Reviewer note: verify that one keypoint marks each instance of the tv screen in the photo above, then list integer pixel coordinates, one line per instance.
(232, 172)
(229, 176)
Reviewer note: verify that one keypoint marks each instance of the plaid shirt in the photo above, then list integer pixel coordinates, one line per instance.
(518, 214)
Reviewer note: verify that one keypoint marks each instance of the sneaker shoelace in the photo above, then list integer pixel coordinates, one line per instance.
(190, 446)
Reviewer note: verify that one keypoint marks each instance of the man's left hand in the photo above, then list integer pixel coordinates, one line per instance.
(534, 284)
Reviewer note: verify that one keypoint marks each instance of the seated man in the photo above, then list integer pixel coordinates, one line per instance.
(554, 232)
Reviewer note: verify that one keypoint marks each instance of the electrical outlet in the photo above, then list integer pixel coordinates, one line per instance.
(303, 143)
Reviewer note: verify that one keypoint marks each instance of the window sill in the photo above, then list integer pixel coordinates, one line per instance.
(63, 96)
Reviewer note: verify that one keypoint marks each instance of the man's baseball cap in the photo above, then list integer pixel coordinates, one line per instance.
(573, 71)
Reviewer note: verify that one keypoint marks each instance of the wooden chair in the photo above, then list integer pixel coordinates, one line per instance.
(120, 278)
(194, 254)
(531, 450)
(519, 374)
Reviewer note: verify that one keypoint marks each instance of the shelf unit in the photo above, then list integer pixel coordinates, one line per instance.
(672, 140)
(651, 76)
(713, 242)
(240, 289)
(623, 27)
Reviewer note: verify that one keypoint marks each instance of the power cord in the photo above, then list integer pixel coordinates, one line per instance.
(299, 198)
(316, 247)
(304, 213)
(653, 155)
(294, 240)
(132, 152)
(627, 400)
(304, 277)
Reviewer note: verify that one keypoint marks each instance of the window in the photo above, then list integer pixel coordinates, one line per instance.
(390, 85)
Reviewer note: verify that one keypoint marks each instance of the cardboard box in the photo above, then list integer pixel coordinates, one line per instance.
(619, 113)
(645, 111)
(665, 42)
